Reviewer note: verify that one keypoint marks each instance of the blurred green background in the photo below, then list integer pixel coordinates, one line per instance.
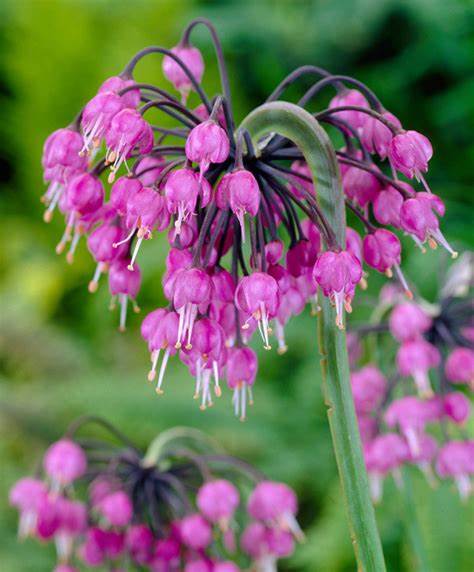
(60, 353)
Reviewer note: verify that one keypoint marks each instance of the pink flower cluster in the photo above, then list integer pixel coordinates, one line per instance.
(242, 257)
(135, 514)
(395, 417)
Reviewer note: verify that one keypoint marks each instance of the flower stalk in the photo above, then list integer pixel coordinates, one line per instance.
(297, 125)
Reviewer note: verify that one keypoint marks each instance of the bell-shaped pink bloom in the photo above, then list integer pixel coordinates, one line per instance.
(411, 415)
(354, 243)
(140, 543)
(64, 462)
(148, 169)
(125, 284)
(410, 152)
(151, 322)
(244, 195)
(127, 131)
(181, 192)
(459, 366)
(292, 303)
(196, 533)
(301, 257)
(368, 389)
(367, 428)
(457, 407)
(61, 151)
(217, 500)
(97, 117)
(384, 455)
(224, 285)
(207, 143)
(382, 250)
(84, 194)
(270, 501)
(192, 59)
(27, 495)
(192, 289)
(257, 296)
(387, 206)
(456, 460)
(70, 524)
(408, 321)
(163, 336)
(116, 84)
(116, 508)
(101, 545)
(101, 245)
(428, 447)
(299, 186)
(418, 218)
(415, 358)
(350, 97)
(376, 136)
(241, 369)
(337, 273)
(122, 190)
(360, 186)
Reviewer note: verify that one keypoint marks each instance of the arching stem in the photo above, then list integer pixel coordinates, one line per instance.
(299, 126)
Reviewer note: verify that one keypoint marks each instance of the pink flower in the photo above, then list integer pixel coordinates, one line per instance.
(192, 59)
(376, 136)
(207, 143)
(456, 460)
(350, 97)
(416, 358)
(27, 495)
(457, 407)
(244, 195)
(337, 273)
(181, 192)
(298, 186)
(127, 131)
(124, 283)
(360, 186)
(217, 500)
(387, 206)
(116, 508)
(84, 194)
(64, 462)
(257, 296)
(382, 250)
(384, 455)
(408, 322)
(242, 365)
(410, 152)
(368, 388)
(122, 190)
(97, 117)
(459, 366)
(196, 532)
(116, 84)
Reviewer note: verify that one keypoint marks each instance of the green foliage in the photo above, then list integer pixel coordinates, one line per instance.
(60, 355)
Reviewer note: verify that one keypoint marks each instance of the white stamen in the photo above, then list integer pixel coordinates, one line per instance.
(135, 252)
(123, 311)
(161, 375)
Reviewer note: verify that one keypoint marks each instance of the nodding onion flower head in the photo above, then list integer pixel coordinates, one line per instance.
(120, 181)
(122, 509)
(423, 398)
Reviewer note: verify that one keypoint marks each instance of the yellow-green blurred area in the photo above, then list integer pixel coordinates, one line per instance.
(60, 353)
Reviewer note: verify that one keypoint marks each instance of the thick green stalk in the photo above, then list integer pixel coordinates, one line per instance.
(299, 126)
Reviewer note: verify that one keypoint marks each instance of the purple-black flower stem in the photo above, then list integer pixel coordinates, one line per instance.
(335, 79)
(85, 419)
(220, 60)
(221, 222)
(163, 105)
(294, 76)
(365, 221)
(211, 212)
(150, 87)
(130, 67)
(368, 111)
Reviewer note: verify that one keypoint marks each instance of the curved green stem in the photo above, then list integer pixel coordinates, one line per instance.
(299, 126)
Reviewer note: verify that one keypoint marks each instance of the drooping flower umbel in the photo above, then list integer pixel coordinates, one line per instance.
(427, 388)
(204, 184)
(172, 508)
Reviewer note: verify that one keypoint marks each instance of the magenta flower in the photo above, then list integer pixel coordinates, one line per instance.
(192, 59)
(416, 358)
(350, 97)
(410, 152)
(257, 296)
(116, 508)
(456, 460)
(408, 322)
(384, 455)
(457, 407)
(337, 273)
(196, 532)
(182, 189)
(97, 117)
(241, 369)
(124, 283)
(410, 414)
(460, 366)
(27, 495)
(376, 136)
(217, 501)
(387, 206)
(116, 84)
(207, 143)
(382, 250)
(244, 195)
(360, 186)
(64, 462)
